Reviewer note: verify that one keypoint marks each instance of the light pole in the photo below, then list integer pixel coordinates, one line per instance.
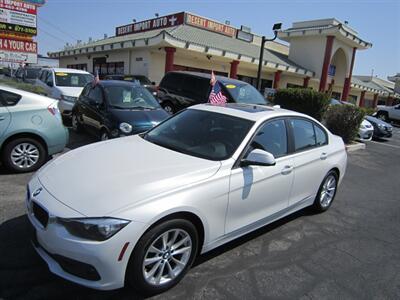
(275, 28)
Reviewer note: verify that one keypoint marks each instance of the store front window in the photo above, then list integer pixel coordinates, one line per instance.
(78, 67)
(191, 69)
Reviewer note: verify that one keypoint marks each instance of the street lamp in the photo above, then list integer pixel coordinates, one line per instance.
(275, 28)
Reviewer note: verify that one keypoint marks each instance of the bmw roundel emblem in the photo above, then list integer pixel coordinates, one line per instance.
(37, 192)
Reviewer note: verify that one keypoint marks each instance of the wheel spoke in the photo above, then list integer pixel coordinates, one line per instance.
(180, 243)
(181, 250)
(172, 241)
(152, 260)
(165, 240)
(153, 249)
(170, 271)
(178, 262)
(160, 273)
(153, 269)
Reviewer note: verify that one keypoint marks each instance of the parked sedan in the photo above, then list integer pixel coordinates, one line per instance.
(381, 128)
(365, 131)
(113, 108)
(30, 129)
(143, 207)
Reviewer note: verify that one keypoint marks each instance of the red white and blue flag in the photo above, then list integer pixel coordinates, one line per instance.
(216, 97)
(96, 79)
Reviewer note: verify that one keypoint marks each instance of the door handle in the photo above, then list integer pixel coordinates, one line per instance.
(324, 156)
(287, 170)
(2, 118)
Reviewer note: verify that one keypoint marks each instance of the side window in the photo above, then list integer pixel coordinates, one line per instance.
(272, 138)
(304, 136)
(196, 88)
(9, 99)
(320, 135)
(49, 77)
(96, 94)
(86, 89)
(42, 75)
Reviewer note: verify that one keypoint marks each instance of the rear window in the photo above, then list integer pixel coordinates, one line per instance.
(72, 79)
(9, 99)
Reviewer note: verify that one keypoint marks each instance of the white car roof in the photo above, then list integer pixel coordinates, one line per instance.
(67, 70)
(248, 111)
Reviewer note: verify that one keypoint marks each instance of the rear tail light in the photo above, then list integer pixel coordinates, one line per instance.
(53, 109)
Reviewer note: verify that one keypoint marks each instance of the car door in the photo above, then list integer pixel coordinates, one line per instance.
(5, 116)
(396, 112)
(92, 116)
(310, 143)
(257, 192)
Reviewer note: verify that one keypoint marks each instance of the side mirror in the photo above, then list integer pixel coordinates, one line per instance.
(259, 157)
(50, 83)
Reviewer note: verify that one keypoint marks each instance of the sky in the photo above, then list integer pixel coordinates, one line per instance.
(377, 21)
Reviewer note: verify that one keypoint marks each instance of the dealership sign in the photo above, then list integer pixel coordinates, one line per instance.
(152, 24)
(17, 18)
(18, 50)
(18, 6)
(210, 25)
(18, 29)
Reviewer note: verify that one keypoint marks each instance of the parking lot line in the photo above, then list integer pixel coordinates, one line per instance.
(383, 144)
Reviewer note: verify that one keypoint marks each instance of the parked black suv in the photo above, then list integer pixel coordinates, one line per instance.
(149, 85)
(180, 89)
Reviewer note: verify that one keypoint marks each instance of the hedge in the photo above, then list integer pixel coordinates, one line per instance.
(344, 121)
(23, 86)
(303, 100)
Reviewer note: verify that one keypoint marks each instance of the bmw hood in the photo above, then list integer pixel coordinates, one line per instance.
(103, 177)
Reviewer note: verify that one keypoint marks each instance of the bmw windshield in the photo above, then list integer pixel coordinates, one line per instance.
(203, 134)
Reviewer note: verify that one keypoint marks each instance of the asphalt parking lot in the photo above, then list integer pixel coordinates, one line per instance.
(350, 252)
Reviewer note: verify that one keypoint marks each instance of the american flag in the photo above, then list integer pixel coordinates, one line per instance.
(216, 97)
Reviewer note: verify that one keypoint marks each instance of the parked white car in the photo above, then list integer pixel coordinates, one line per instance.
(388, 113)
(366, 131)
(64, 85)
(143, 207)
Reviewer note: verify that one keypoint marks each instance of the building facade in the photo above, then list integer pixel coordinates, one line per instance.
(318, 54)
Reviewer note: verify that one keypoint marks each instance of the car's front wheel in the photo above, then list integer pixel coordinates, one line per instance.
(76, 125)
(326, 192)
(24, 155)
(162, 256)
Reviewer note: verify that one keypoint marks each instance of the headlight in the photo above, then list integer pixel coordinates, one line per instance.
(362, 126)
(97, 229)
(68, 98)
(381, 126)
(125, 127)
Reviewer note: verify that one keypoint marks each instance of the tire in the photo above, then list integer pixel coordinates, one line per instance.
(24, 155)
(325, 196)
(169, 107)
(382, 115)
(104, 136)
(76, 126)
(135, 275)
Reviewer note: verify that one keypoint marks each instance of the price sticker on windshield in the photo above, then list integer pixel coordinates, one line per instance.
(230, 86)
(61, 74)
(126, 96)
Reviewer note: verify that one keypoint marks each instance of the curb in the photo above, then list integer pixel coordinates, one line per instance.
(355, 147)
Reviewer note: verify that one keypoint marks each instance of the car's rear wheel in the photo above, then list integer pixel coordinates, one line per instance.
(326, 192)
(76, 126)
(169, 107)
(162, 256)
(104, 136)
(24, 155)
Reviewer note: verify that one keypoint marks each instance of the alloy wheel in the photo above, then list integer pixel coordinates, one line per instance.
(169, 109)
(75, 122)
(328, 191)
(167, 257)
(104, 136)
(25, 155)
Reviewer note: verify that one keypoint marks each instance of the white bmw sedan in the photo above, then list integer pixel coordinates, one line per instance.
(139, 209)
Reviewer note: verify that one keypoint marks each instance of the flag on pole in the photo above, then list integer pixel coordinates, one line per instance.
(96, 79)
(216, 97)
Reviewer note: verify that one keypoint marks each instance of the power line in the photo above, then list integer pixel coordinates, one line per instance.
(53, 36)
(58, 28)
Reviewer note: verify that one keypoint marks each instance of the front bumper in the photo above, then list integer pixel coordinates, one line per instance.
(65, 108)
(382, 133)
(365, 134)
(89, 263)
